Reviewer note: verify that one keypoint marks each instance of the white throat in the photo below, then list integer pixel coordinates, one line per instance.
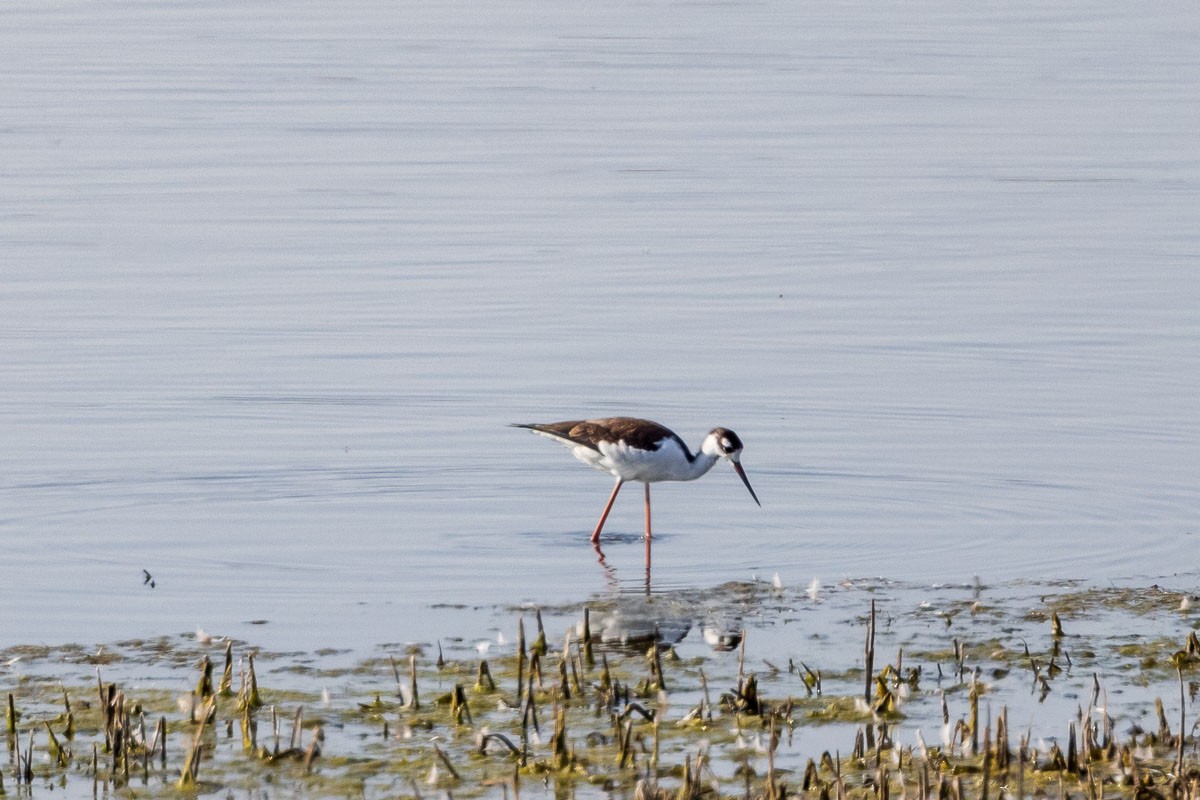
(702, 463)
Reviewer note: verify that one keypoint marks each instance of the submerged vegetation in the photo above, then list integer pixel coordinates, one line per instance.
(952, 692)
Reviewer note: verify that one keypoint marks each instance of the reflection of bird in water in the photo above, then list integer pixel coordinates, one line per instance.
(634, 449)
(721, 634)
(635, 624)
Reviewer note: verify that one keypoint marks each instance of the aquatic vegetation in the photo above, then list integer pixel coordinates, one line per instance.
(624, 703)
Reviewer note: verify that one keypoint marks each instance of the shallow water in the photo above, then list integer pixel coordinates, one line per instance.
(1110, 665)
(272, 287)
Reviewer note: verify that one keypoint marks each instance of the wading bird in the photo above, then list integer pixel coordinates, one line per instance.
(634, 449)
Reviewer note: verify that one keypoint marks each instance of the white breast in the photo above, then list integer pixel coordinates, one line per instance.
(667, 463)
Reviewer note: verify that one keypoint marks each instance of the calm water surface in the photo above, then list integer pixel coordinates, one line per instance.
(273, 282)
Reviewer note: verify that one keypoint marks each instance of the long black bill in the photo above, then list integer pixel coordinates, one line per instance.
(742, 474)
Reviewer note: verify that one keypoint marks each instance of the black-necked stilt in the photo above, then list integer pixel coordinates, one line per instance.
(634, 449)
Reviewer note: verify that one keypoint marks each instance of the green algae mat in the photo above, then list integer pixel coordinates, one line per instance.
(863, 689)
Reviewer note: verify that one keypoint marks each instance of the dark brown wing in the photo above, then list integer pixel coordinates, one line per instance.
(558, 430)
(640, 433)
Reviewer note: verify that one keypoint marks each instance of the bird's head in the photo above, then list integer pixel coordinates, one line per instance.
(724, 443)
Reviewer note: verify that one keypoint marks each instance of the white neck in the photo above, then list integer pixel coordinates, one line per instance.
(700, 465)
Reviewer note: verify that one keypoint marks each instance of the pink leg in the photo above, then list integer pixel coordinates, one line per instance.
(647, 511)
(607, 508)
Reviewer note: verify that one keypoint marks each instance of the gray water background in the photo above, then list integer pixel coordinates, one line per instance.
(274, 279)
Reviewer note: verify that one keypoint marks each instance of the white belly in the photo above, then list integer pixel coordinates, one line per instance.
(667, 463)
